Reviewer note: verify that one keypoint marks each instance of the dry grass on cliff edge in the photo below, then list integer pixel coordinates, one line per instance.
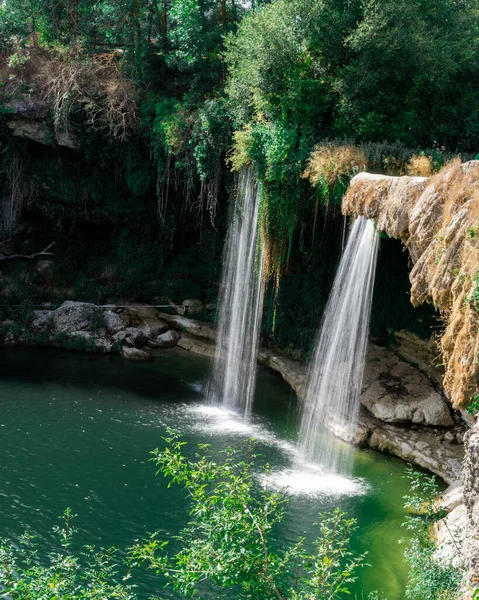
(438, 221)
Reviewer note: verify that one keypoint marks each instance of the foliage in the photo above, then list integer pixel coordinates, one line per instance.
(473, 298)
(93, 575)
(473, 408)
(230, 542)
(396, 158)
(329, 164)
(407, 60)
(430, 578)
(96, 84)
(174, 79)
(282, 60)
(420, 165)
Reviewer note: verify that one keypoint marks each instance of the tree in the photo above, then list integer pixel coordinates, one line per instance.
(93, 576)
(283, 59)
(230, 541)
(412, 73)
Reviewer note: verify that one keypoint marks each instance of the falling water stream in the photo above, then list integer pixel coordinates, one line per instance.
(240, 305)
(335, 373)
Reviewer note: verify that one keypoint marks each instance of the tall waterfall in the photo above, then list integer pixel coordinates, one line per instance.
(233, 378)
(336, 369)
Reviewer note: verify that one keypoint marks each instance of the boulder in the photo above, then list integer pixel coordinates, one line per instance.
(192, 344)
(198, 329)
(102, 344)
(396, 392)
(192, 307)
(42, 321)
(72, 317)
(113, 322)
(134, 354)
(168, 339)
(120, 337)
(134, 337)
(152, 328)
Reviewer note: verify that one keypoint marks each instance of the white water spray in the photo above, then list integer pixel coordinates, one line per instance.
(233, 378)
(335, 373)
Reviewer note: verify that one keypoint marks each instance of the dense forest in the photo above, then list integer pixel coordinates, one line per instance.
(144, 110)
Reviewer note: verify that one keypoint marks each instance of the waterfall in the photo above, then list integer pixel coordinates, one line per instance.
(233, 377)
(336, 369)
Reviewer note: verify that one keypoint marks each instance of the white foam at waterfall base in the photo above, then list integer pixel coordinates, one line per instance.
(217, 420)
(309, 480)
(336, 370)
(233, 377)
(313, 483)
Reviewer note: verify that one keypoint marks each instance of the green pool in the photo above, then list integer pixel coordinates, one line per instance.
(76, 430)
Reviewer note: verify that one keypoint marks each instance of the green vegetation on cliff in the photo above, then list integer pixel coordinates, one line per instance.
(142, 109)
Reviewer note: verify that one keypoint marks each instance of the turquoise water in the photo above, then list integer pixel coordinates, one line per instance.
(76, 430)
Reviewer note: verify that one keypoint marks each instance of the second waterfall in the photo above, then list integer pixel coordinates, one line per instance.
(232, 381)
(335, 373)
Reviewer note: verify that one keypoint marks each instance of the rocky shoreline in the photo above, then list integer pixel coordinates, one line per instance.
(403, 412)
(416, 424)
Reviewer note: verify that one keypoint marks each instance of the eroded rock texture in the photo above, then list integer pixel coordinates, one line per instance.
(471, 499)
(437, 219)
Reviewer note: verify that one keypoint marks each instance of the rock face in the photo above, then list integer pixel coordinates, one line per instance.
(197, 329)
(80, 325)
(395, 392)
(471, 499)
(168, 339)
(450, 532)
(293, 372)
(419, 353)
(29, 119)
(437, 220)
(134, 354)
(424, 447)
(199, 346)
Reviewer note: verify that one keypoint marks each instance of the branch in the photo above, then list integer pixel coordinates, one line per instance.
(265, 552)
(28, 256)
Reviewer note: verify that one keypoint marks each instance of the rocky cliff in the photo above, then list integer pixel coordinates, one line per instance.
(437, 219)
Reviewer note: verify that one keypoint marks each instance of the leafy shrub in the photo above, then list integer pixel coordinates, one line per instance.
(330, 163)
(420, 165)
(95, 574)
(473, 408)
(230, 542)
(430, 578)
